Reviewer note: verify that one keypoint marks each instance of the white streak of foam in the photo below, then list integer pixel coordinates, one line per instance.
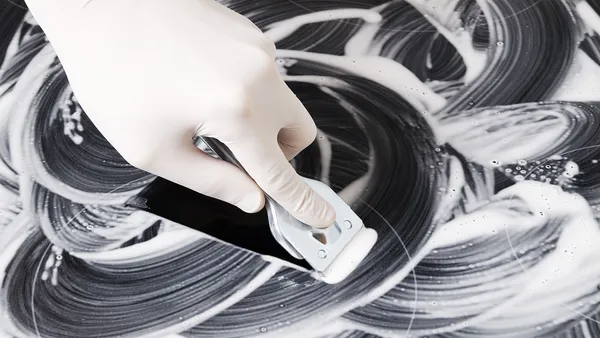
(559, 273)
(282, 29)
(589, 16)
(352, 192)
(240, 294)
(326, 154)
(474, 60)
(121, 230)
(453, 191)
(19, 226)
(30, 19)
(30, 80)
(378, 331)
(507, 142)
(334, 327)
(443, 10)
(581, 82)
(384, 71)
(11, 50)
(585, 329)
(545, 201)
(560, 270)
(157, 246)
(300, 329)
(361, 42)
(10, 242)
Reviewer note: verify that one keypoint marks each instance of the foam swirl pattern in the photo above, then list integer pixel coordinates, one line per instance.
(466, 133)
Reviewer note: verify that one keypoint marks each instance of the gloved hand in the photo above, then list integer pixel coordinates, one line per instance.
(152, 73)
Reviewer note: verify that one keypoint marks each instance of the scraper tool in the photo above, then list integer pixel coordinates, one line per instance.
(333, 252)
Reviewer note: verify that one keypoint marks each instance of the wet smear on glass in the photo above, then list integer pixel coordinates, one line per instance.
(466, 133)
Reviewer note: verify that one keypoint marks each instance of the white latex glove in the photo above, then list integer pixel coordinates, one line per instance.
(151, 73)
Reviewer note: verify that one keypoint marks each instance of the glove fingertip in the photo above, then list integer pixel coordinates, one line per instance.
(326, 216)
(252, 203)
(320, 214)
